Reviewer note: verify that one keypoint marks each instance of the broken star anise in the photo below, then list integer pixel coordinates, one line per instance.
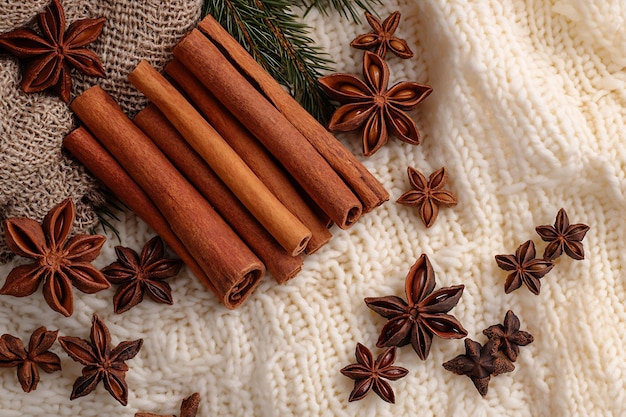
(382, 37)
(13, 353)
(479, 363)
(563, 237)
(423, 316)
(509, 336)
(373, 106)
(368, 374)
(526, 269)
(189, 408)
(102, 363)
(50, 57)
(428, 195)
(59, 262)
(137, 275)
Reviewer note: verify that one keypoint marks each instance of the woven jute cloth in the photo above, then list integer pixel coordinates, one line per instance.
(527, 114)
(35, 173)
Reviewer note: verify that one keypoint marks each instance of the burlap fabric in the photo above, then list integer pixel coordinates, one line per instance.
(35, 174)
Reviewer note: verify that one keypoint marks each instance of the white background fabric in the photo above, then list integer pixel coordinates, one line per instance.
(528, 116)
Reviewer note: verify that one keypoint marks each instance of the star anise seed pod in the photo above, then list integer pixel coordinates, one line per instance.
(509, 336)
(137, 275)
(50, 57)
(368, 374)
(381, 37)
(13, 353)
(59, 262)
(372, 106)
(526, 269)
(479, 363)
(102, 363)
(563, 237)
(423, 316)
(189, 408)
(428, 195)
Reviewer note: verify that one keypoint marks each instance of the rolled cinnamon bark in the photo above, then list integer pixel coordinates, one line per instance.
(369, 190)
(278, 262)
(252, 152)
(86, 149)
(230, 265)
(264, 121)
(249, 189)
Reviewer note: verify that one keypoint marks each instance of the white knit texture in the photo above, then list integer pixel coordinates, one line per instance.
(528, 115)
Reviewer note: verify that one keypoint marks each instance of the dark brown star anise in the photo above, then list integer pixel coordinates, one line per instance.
(59, 262)
(563, 237)
(479, 363)
(373, 106)
(101, 362)
(526, 269)
(423, 316)
(368, 374)
(137, 275)
(382, 38)
(428, 195)
(49, 58)
(189, 408)
(12, 353)
(509, 336)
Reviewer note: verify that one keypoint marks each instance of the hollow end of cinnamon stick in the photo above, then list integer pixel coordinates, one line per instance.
(240, 291)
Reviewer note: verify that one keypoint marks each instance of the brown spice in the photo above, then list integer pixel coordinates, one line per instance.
(374, 107)
(479, 363)
(50, 58)
(423, 316)
(368, 374)
(139, 274)
(59, 262)
(563, 237)
(102, 363)
(12, 353)
(509, 336)
(526, 269)
(428, 195)
(382, 37)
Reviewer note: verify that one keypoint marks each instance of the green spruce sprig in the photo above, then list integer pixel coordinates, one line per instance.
(276, 37)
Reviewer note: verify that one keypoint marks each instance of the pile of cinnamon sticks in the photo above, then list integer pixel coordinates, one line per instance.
(223, 164)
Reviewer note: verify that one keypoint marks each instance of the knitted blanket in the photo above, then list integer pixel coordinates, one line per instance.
(527, 114)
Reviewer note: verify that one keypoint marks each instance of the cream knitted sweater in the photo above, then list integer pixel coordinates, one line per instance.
(528, 115)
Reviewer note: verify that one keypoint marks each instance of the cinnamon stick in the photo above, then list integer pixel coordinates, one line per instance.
(264, 121)
(252, 152)
(369, 190)
(230, 265)
(278, 262)
(86, 149)
(249, 189)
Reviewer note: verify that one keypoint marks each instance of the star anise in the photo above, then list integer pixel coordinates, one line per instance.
(479, 363)
(563, 237)
(12, 353)
(368, 374)
(101, 362)
(428, 195)
(189, 408)
(50, 58)
(373, 106)
(59, 262)
(509, 336)
(382, 38)
(423, 316)
(137, 275)
(526, 269)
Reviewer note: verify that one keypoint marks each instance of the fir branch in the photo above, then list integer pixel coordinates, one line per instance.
(273, 35)
(347, 8)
